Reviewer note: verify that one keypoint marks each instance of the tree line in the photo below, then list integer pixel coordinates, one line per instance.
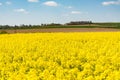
(23, 26)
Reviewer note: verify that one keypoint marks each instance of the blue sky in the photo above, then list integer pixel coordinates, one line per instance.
(16, 12)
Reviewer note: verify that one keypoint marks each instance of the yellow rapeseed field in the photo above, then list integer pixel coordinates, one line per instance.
(60, 56)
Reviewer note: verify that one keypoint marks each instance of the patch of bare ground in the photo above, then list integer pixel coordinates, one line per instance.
(62, 30)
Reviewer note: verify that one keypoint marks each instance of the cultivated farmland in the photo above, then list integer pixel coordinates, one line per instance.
(60, 56)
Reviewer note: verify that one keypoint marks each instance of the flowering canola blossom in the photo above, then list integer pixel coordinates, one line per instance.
(60, 56)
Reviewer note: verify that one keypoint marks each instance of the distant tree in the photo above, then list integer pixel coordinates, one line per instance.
(79, 22)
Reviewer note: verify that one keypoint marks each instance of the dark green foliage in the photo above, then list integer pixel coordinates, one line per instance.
(53, 25)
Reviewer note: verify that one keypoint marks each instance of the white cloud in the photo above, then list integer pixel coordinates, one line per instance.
(21, 10)
(111, 3)
(75, 12)
(8, 3)
(69, 7)
(0, 4)
(33, 0)
(51, 3)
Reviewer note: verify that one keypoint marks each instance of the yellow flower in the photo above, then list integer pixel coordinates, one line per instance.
(60, 56)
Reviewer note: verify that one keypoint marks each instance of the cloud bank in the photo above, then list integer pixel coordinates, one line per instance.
(111, 3)
(51, 3)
